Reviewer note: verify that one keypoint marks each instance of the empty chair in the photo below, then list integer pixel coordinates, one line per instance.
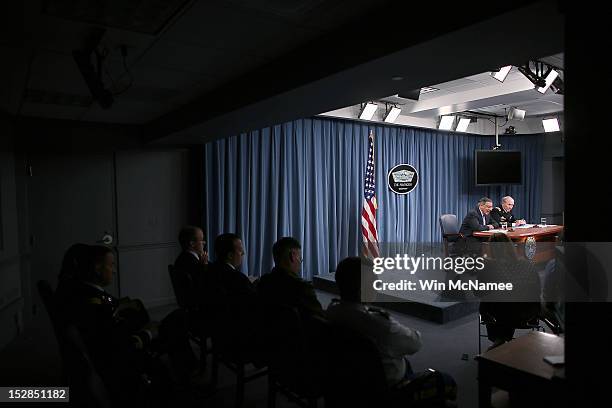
(450, 233)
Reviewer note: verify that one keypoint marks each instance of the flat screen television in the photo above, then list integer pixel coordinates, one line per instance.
(498, 167)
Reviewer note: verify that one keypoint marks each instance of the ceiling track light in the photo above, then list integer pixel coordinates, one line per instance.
(463, 124)
(367, 111)
(446, 122)
(539, 73)
(501, 73)
(551, 125)
(392, 112)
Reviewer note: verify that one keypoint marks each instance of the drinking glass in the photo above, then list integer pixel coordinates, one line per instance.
(542, 222)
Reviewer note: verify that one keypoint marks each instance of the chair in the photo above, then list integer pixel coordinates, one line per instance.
(450, 233)
(230, 346)
(485, 318)
(199, 331)
(297, 355)
(359, 378)
(86, 386)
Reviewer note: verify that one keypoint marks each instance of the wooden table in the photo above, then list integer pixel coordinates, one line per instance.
(534, 244)
(519, 366)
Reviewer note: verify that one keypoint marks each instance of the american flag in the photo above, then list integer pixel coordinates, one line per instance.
(368, 213)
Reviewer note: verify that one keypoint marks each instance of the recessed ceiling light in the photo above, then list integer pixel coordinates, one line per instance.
(428, 89)
(368, 111)
(551, 125)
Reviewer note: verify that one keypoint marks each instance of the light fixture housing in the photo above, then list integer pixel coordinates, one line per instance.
(516, 114)
(502, 73)
(367, 112)
(551, 125)
(550, 78)
(446, 122)
(463, 124)
(392, 114)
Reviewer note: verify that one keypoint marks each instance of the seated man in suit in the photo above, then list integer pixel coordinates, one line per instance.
(283, 285)
(477, 219)
(503, 213)
(191, 264)
(229, 254)
(394, 340)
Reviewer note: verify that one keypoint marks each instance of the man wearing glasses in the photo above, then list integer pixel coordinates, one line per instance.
(283, 285)
(477, 219)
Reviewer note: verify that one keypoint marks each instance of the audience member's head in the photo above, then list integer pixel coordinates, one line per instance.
(287, 253)
(192, 239)
(485, 204)
(75, 259)
(502, 247)
(229, 249)
(348, 279)
(98, 265)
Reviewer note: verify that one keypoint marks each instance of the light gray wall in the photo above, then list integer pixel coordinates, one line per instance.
(152, 204)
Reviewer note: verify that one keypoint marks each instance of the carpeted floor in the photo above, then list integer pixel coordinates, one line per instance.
(32, 359)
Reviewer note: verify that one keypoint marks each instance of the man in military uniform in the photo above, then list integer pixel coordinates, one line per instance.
(503, 213)
(284, 286)
(117, 332)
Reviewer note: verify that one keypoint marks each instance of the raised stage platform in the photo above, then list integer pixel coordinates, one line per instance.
(426, 306)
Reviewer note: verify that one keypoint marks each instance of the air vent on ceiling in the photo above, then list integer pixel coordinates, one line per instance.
(57, 98)
(143, 16)
(428, 89)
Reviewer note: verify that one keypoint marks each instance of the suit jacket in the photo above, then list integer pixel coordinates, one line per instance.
(473, 222)
(282, 287)
(191, 275)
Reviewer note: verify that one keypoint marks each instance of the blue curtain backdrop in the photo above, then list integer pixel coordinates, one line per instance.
(305, 179)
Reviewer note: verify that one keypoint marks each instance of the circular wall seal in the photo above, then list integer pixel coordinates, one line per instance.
(530, 248)
(402, 179)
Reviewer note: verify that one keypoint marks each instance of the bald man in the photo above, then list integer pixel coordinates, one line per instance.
(503, 213)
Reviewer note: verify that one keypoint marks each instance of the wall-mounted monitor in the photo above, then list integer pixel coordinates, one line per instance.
(498, 167)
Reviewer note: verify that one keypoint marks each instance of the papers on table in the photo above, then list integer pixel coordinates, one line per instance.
(531, 226)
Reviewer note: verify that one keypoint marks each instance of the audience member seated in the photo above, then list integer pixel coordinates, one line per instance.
(118, 336)
(229, 254)
(191, 264)
(394, 341)
(283, 285)
(233, 290)
(475, 220)
(506, 311)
